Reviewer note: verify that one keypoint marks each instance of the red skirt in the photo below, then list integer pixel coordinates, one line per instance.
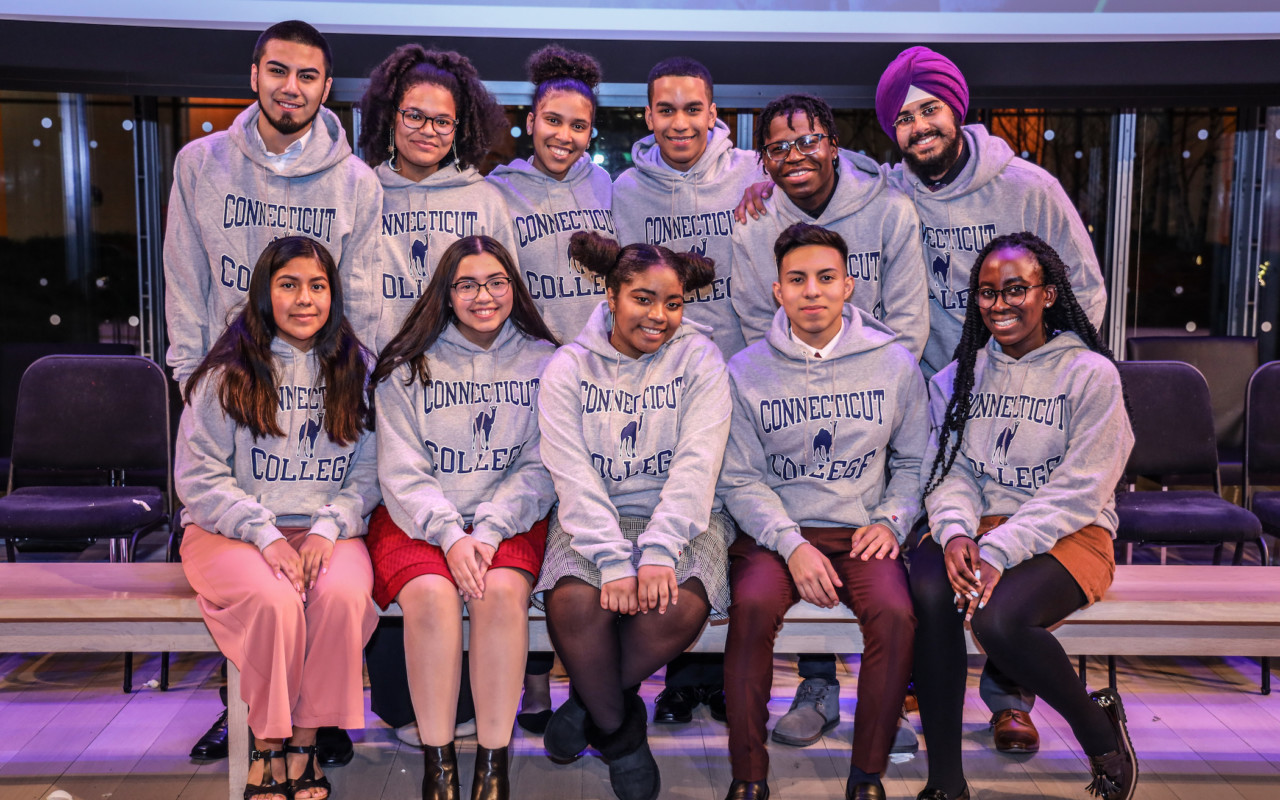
(398, 559)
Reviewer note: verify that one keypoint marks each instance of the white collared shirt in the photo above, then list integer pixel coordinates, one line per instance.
(279, 162)
(825, 351)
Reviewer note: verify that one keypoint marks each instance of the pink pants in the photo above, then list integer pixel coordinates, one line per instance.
(300, 664)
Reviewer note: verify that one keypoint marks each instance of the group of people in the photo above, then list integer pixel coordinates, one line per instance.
(621, 402)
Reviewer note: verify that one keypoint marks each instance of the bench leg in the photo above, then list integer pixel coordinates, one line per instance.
(128, 672)
(237, 735)
(1084, 670)
(1266, 674)
(1111, 671)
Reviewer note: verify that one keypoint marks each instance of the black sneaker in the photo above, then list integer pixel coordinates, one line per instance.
(1115, 774)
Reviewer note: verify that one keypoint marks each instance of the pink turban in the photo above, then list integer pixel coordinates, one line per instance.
(929, 72)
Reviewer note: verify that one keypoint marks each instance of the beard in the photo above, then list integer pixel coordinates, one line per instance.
(935, 166)
(287, 124)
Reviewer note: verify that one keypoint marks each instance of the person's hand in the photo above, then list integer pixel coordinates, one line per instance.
(656, 586)
(286, 564)
(990, 577)
(815, 578)
(620, 596)
(315, 553)
(753, 201)
(468, 561)
(874, 541)
(964, 567)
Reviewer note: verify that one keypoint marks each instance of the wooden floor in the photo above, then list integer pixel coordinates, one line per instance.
(66, 731)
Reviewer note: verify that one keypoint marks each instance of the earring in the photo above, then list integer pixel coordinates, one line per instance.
(391, 162)
(457, 165)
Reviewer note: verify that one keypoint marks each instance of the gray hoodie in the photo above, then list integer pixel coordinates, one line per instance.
(634, 437)
(878, 224)
(693, 211)
(1045, 445)
(811, 439)
(464, 449)
(420, 219)
(246, 488)
(228, 204)
(996, 193)
(545, 212)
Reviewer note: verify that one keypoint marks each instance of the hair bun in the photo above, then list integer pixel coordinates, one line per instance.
(595, 252)
(554, 61)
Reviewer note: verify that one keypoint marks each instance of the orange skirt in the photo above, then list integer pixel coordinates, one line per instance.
(1088, 555)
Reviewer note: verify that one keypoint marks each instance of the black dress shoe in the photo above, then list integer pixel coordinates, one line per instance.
(213, 745)
(333, 747)
(938, 794)
(748, 790)
(675, 704)
(864, 791)
(713, 696)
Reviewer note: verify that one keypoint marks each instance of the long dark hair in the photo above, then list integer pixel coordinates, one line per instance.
(433, 312)
(1064, 315)
(480, 116)
(242, 362)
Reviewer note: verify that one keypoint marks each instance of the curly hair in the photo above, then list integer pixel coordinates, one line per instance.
(481, 118)
(1064, 315)
(554, 68)
(814, 108)
(616, 264)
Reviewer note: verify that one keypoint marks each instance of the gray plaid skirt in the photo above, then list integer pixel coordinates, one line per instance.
(706, 558)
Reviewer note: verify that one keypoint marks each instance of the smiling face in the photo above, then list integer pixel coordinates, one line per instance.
(812, 287)
(931, 143)
(807, 180)
(420, 152)
(647, 310)
(1019, 329)
(291, 85)
(680, 113)
(300, 301)
(480, 318)
(561, 130)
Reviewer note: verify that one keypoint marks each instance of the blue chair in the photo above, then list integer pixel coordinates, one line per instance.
(1262, 447)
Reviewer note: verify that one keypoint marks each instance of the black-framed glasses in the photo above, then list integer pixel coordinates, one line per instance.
(414, 120)
(468, 289)
(807, 145)
(907, 119)
(1013, 295)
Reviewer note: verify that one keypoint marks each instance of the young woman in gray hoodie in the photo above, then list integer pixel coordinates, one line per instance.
(466, 500)
(634, 416)
(276, 469)
(1032, 437)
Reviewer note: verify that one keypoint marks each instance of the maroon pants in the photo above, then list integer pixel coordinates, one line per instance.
(762, 591)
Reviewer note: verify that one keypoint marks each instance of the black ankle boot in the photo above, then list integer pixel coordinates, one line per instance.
(490, 782)
(440, 773)
(633, 773)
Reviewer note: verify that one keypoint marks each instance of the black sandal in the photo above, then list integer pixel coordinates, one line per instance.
(281, 788)
(308, 780)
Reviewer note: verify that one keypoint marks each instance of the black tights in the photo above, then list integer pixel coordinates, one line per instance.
(1012, 629)
(606, 653)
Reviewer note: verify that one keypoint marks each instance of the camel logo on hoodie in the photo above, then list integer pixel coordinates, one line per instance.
(823, 442)
(308, 432)
(627, 442)
(418, 257)
(481, 427)
(1000, 454)
(942, 267)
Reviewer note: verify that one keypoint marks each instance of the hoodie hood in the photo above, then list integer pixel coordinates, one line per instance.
(328, 146)
(861, 333)
(988, 156)
(647, 157)
(523, 169)
(860, 183)
(447, 177)
(595, 335)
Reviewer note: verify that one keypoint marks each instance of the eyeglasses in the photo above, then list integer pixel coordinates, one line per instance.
(1013, 295)
(414, 120)
(468, 289)
(906, 120)
(807, 145)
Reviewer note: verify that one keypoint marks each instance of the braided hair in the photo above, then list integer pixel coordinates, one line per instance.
(1064, 315)
(814, 108)
(481, 118)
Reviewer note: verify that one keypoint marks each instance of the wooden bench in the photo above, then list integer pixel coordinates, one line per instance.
(1149, 610)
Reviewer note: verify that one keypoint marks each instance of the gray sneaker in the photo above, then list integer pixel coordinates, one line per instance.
(814, 711)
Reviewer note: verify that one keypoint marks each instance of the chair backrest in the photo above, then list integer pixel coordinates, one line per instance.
(1226, 362)
(1172, 421)
(83, 417)
(1262, 425)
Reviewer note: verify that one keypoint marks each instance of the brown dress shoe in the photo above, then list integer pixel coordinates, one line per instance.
(1015, 732)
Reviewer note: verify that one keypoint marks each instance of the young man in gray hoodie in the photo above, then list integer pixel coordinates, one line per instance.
(687, 179)
(283, 168)
(969, 188)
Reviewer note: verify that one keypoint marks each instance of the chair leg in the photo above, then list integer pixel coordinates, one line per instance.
(1111, 671)
(10, 551)
(1263, 555)
(164, 672)
(1266, 674)
(1217, 555)
(1238, 557)
(1084, 670)
(128, 673)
